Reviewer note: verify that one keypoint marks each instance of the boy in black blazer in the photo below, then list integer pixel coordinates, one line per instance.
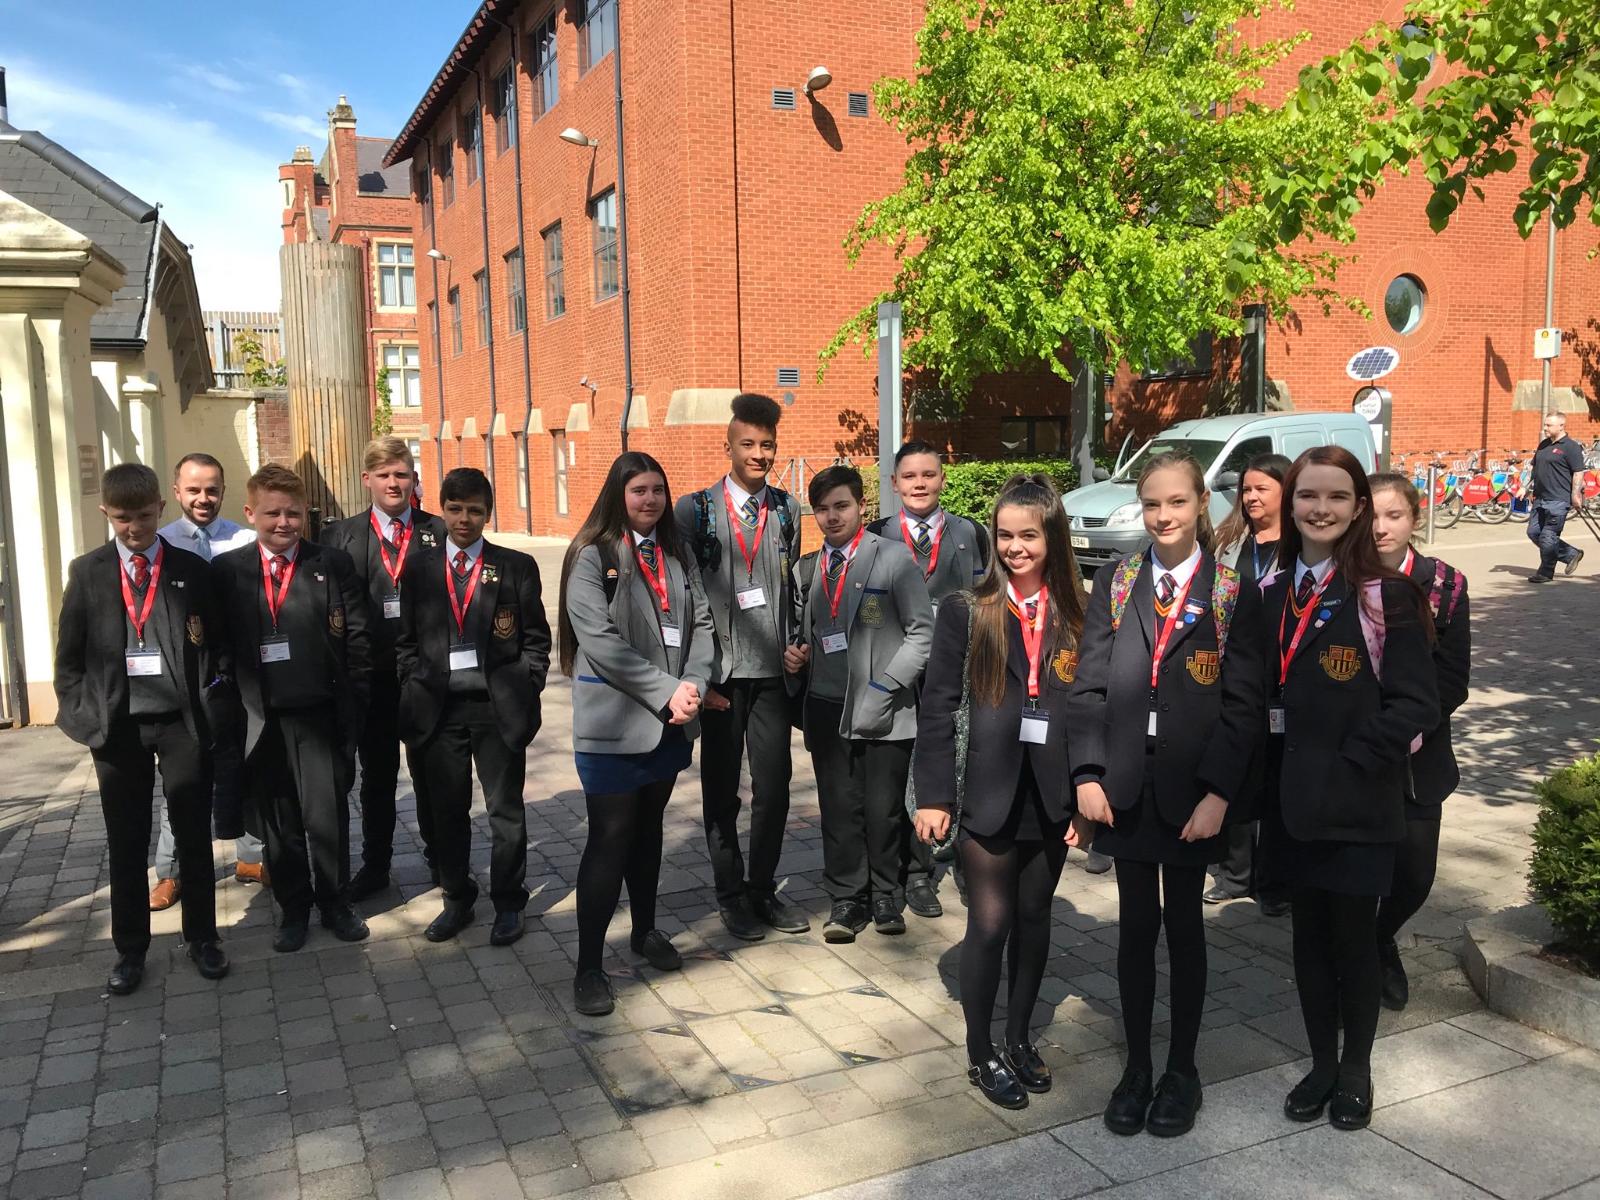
(297, 624)
(382, 541)
(134, 656)
(473, 654)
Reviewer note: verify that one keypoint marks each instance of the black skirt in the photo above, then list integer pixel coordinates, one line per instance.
(1142, 834)
(1345, 868)
(1028, 821)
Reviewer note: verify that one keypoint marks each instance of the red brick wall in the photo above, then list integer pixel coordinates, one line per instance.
(272, 428)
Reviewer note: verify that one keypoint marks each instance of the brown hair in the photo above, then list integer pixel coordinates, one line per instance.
(1392, 481)
(1237, 523)
(275, 477)
(384, 450)
(199, 459)
(1177, 460)
(130, 486)
(990, 643)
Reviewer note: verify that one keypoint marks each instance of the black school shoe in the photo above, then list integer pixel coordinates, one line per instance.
(1176, 1104)
(126, 975)
(449, 923)
(1396, 991)
(994, 1079)
(1130, 1102)
(1309, 1097)
(592, 994)
(1024, 1061)
(508, 927)
(365, 882)
(740, 920)
(886, 916)
(773, 912)
(340, 919)
(291, 935)
(1351, 1105)
(208, 958)
(922, 898)
(848, 918)
(657, 949)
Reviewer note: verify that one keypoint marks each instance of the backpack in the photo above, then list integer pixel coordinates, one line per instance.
(1224, 594)
(708, 549)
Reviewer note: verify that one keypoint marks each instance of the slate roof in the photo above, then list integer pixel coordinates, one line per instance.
(373, 177)
(61, 185)
(319, 222)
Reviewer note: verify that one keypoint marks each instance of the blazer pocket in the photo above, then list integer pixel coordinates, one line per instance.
(874, 711)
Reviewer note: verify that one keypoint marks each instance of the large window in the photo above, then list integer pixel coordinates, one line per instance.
(447, 171)
(481, 281)
(555, 285)
(472, 142)
(563, 459)
(455, 320)
(544, 64)
(603, 235)
(598, 36)
(516, 293)
(404, 364)
(397, 275)
(1023, 436)
(505, 109)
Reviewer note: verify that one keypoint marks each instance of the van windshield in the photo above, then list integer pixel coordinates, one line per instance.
(1204, 453)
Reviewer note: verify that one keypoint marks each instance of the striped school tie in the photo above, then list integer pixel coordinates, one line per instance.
(1166, 588)
(647, 554)
(835, 565)
(750, 511)
(923, 541)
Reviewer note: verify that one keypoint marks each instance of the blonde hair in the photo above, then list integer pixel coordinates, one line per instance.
(383, 450)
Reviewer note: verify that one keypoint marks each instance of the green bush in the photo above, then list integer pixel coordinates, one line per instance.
(970, 488)
(1564, 873)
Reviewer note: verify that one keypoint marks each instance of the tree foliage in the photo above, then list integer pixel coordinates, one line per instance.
(383, 411)
(258, 371)
(1102, 181)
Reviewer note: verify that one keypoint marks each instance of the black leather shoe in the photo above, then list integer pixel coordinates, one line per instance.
(209, 959)
(886, 916)
(1396, 991)
(1571, 568)
(1274, 906)
(1024, 1062)
(126, 976)
(1177, 1102)
(1098, 863)
(342, 921)
(1130, 1101)
(1536, 578)
(448, 923)
(848, 918)
(592, 994)
(657, 950)
(922, 898)
(508, 927)
(1217, 894)
(365, 882)
(1309, 1097)
(291, 936)
(995, 1080)
(785, 918)
(1351, 1105)
(739, 920)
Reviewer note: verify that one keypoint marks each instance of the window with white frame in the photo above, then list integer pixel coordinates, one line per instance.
(516, 293)
(481, 279)
(447, 171)
(505, 109)
(545, 67)
(472, 142)
(598, 36)
(397, 275)
(603, 235)
(404, 364)
(555, 284)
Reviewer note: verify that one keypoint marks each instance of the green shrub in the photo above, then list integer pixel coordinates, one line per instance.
(970, 488)
(1564, 873)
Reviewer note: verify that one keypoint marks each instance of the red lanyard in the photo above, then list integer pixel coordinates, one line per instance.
(1285, 657)
(836, 597)
(933, 558)
(1032, 634)
(138, 620)
(658, 578)
(383, 549)
(1174, 615)
(1411, 558)
(736, 523)
(459, 607)
(275, 603)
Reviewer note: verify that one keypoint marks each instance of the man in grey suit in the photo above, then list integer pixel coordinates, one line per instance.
(867, 625)
(745, 537)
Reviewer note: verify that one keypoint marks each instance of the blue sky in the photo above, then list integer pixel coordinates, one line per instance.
(194, 105)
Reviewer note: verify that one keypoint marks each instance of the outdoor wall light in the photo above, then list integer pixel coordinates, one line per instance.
(583, 382)
(577, 137)
(437, 253)
(819, 78)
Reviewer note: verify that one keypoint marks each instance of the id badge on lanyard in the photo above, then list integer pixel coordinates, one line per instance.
(671, 635)
(1035, 727)
(143, 664)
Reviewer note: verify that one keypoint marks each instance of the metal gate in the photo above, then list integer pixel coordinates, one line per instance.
(13, 696)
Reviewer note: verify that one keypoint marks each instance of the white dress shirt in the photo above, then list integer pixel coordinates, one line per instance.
(1182, 573)
(473, 553)
(221, 535)
(738, 495)
(1319, 573)
(390, 528)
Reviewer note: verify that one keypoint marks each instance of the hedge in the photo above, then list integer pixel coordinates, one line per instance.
(1564, 872)
(971, 488)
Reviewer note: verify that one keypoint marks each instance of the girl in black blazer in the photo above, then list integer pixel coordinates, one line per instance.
(1012, 644)
(1396, 509)
(1145, 703)
(1330, 668)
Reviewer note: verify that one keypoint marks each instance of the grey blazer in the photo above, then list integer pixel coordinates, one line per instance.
(623, 675)
(963, 554)
(889, 620)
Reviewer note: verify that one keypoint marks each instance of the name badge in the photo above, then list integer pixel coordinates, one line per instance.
(671, 635)
(1275, 719)
(1035, 727)
(391, 608)
(275, 650)
(832, 643)
(1150, 726)
(463, 658)
(143, 663)
(752, 597)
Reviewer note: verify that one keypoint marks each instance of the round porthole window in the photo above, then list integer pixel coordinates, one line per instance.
(1403, 303)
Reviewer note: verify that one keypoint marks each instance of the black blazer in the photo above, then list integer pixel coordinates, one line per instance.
(1343, 771)
(506, 623)
(1110, 703)
(91, 675)
(325, 607)
(995, 751)
(354, 536)
(1434, 772)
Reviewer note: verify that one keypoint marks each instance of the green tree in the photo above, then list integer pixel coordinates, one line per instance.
(383, 411)
(1101, 182)
(258, 371)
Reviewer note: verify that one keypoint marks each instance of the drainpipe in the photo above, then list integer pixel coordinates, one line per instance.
(488, 279)
(438, 356)
(622, 244)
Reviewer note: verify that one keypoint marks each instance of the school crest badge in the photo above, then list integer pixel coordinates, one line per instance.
(505, 623)
(1065, 665)
(872, 610)
(336, 621)
(1342, 663)
(195, 628)
(428, 539)
(1205, 667)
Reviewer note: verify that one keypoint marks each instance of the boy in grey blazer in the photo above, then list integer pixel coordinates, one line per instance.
(867, 626)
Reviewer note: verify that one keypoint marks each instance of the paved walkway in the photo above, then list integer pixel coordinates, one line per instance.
(398, 1068)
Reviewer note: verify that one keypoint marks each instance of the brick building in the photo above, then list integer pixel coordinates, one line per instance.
(740, 186)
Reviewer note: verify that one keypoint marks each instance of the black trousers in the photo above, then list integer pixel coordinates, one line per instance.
(380, 772)
(757, 719)
(299, 780)
(861, 790)
(126, 770)
(468, 736)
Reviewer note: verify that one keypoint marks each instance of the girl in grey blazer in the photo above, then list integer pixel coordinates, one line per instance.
(636, 641)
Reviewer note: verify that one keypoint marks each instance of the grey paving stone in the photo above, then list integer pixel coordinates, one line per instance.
(427, 1184)
(129, 1185)
(403, 1157)
(183, 1078)
(1036, 1167)
(278, 1185)
(336, 1146)
(50, 1181)
(491, 1181)
(460, 1131)
(1433, 1057)
(129, 1104)
(55, 1070)
(191, 1158)
(56, 1128)
(339, 1183)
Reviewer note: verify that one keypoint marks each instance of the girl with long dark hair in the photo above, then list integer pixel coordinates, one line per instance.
(1396, 510)
(1004, 657)
(1330, 664)
(636, 640)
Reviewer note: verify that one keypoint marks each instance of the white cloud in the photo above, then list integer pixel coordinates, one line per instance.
(295, 123)
(214, 79)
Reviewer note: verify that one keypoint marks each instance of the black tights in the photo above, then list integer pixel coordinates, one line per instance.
(624, 846)
(1338, 976)
(1009, 888)
(1414, 865)
(1140, 888)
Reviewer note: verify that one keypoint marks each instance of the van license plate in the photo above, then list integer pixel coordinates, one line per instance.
(1079, 543)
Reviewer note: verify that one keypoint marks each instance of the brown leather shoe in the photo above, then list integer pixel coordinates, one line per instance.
(252, 873)
(165, 894)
